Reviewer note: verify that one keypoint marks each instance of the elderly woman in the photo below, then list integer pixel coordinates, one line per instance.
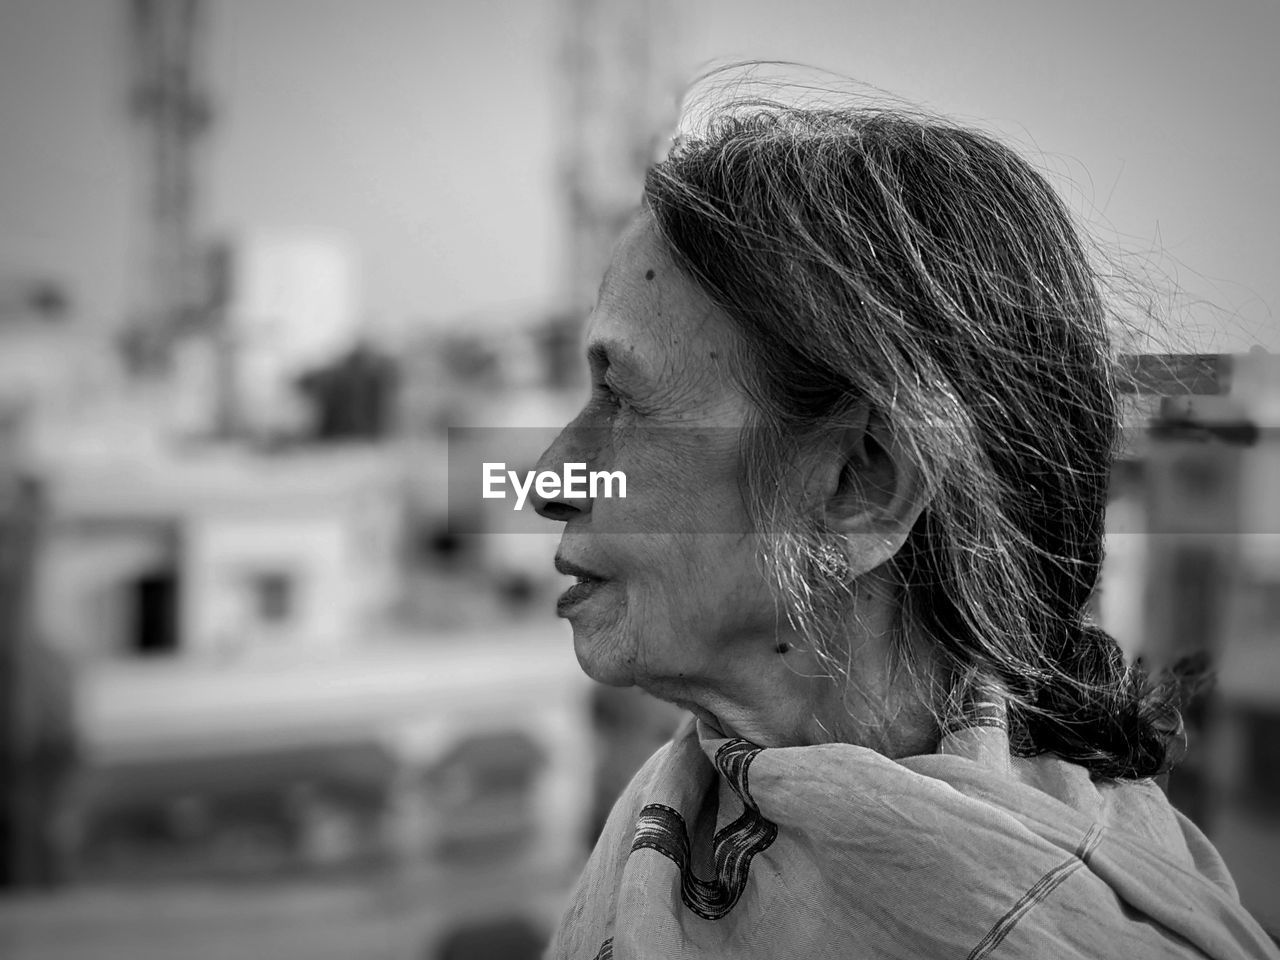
(855, 368)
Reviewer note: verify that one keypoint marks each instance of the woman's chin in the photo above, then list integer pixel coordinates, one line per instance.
(601, 657)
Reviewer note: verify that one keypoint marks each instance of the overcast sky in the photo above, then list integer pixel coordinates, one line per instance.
(426, 132)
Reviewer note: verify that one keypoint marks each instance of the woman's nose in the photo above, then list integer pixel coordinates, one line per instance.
(554, 460)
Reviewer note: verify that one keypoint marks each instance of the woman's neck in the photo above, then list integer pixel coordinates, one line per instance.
(779, 691)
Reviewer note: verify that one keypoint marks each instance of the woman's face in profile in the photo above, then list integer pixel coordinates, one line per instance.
(673, 584)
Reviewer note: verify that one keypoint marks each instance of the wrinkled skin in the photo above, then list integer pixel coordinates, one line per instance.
(689, 616)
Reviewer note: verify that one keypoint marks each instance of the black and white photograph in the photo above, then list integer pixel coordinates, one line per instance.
(639, 480)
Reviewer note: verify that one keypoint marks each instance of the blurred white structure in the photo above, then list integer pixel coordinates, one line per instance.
(285, 302)
(219, 553)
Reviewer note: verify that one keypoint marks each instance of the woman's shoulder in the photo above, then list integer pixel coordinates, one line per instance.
(917, 857)
(1032, 845)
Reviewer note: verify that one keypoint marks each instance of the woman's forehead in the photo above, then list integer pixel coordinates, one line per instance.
(646, 298)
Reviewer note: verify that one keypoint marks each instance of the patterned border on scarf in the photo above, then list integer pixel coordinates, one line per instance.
(663, 829)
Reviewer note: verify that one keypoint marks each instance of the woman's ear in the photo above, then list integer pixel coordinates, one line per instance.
(873, 492)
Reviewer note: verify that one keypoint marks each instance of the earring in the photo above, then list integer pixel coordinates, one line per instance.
(833, 563)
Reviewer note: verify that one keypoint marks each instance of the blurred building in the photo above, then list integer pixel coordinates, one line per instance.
(250, 704)
(229, 578)
(1192, 583)
(220, 573)
(219, 553)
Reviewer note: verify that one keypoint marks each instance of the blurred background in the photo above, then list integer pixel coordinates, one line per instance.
(259, 696)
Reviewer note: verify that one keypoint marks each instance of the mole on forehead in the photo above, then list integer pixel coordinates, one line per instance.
(613, 272)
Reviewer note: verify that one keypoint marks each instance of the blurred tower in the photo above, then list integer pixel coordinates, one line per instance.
(168, 101)
(620, 97)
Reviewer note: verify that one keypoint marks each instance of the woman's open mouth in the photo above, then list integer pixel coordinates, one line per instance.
(586, 583)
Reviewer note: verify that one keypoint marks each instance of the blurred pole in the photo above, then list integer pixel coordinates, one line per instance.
(170, 104)
(13, 602)
(36, 729)
(618, 99)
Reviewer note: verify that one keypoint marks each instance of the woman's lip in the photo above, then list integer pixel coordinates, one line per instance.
(580, 591)
(572, 569)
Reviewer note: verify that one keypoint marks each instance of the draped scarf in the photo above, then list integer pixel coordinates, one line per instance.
(722, 849)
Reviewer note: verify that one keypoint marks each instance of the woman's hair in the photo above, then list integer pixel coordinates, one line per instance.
(878, 257)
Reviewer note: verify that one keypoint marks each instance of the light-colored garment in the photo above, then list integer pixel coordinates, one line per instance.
(721, 849)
